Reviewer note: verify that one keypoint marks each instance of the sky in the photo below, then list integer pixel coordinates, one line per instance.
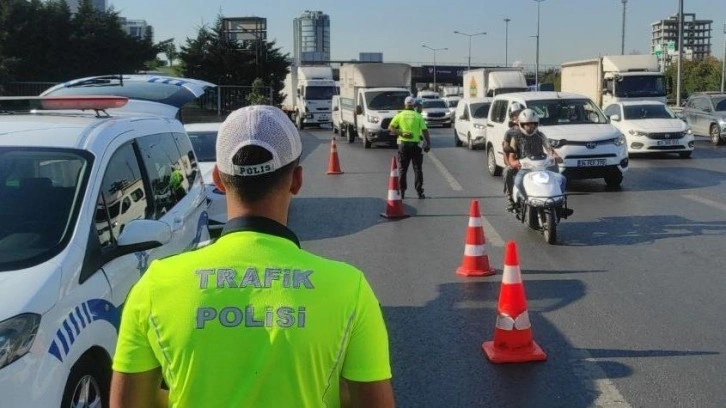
(569, 29)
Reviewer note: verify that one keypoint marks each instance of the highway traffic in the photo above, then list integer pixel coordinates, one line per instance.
(628, 304)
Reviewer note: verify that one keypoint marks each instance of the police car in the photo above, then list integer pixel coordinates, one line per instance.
(89, 195)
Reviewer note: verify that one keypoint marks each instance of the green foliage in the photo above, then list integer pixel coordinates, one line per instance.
(258, 95)
(213, 57)
(697, 76)
(43, 41)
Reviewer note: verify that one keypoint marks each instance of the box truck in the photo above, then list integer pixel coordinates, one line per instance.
(613, 78)
(489, 82)
(308, 93)
(370, 95)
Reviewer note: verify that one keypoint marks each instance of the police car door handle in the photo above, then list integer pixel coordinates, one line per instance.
(178, 223)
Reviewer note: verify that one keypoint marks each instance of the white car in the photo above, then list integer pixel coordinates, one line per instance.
(90, 194)
(451, 103)
(578, 130)
(204, 140)
(470, 125)
(435, 112)
(651, 127)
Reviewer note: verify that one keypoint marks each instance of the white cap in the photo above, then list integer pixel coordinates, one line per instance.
(259, 125)
(409, 100)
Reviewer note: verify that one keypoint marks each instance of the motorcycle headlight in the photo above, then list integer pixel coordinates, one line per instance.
(478, 126)
(16, 336)
(619, 141)
(557, 142)
(637, 133)
(373, 119)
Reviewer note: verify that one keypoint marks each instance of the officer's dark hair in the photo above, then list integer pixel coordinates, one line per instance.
(255, 188)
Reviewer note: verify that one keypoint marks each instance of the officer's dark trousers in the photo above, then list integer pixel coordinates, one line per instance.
(411, 152)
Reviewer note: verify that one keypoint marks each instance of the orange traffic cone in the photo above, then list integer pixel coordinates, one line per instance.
(333, 163)
(513, 341)
(476, 260)
(394, 203)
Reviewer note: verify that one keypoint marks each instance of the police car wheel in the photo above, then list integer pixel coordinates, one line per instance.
(88, 384)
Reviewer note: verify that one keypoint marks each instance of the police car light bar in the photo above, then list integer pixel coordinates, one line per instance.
(83, 102)
(78, 102)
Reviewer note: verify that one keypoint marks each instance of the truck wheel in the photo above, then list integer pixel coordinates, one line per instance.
(715, 134)
(494, 170)
(366, 143)
(300, 124)
(335, 129)
(350, 133)
(457, 142)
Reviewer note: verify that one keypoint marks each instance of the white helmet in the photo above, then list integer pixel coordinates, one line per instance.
(528, 116)
(514, 109)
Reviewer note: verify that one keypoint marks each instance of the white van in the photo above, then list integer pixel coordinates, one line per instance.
(590, 146)
(470, 126)
(90, 193)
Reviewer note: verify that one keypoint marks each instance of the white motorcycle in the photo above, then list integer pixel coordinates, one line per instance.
(546, 203)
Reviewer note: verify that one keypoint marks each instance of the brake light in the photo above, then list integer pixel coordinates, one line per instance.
(83, 102)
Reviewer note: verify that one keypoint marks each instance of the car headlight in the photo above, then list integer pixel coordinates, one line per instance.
(637, 133)
(557, 142)
(479, 126)
(619, 141)
(373, 119)
(688, 131)
(16, 336)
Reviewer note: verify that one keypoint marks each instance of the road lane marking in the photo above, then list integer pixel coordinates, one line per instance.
(490, 234)
(706, 201)
(444, 172)
(586, 368)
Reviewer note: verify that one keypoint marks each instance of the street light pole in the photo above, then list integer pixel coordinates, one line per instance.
(434, 50)
(536, 71)
(680, 52)
(469, 35)
(723, 63)
(622, 42)
(506, 41)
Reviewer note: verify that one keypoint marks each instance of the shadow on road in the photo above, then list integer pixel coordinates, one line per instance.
(437, 359)
(653, 179)
(638, 230)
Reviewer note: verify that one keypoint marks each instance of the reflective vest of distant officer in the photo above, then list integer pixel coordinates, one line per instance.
(410, 127)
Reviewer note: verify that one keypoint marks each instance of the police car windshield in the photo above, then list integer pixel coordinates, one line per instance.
(40, 192)
(637, 112)
(204, 145)
(567, 112)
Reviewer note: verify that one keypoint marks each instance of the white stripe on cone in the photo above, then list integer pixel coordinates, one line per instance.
(394, 173)
(511, 275)
(394, 195)
(522, 322)
(475, 222)
(475, 250)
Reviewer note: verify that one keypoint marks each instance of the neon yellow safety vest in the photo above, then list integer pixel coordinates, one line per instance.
(409, 122)
(253, 321)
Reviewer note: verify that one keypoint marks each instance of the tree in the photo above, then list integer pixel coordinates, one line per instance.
(697, 76)
(257, 96)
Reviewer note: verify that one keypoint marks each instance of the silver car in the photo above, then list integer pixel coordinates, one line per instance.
(706, 115)
(435, 112)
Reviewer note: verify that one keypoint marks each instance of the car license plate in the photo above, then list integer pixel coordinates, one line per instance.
(324, 117)
(670, 142)
(591, 162)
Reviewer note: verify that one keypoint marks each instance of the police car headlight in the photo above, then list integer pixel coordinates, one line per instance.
(373, 119)
(16, 337)
(479, 126)
(637, 133)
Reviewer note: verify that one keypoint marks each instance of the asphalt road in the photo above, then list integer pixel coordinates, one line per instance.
(629, 306)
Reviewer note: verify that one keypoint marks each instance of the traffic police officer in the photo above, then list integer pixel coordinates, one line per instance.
(410, 127)
(253, 319)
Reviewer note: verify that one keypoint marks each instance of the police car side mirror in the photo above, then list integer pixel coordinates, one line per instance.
(615, 118)
(335, 108)
(142, 235)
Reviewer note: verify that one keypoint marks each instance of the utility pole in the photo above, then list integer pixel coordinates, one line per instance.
(680, 52)
(536, 70)
(506, 41)
(469, 35)
(723, 63)
(622, 42)
(434, 50)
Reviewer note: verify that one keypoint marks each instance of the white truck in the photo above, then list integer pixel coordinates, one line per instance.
(489, 82)
(614, 78)
(308, 93)
(370, 95)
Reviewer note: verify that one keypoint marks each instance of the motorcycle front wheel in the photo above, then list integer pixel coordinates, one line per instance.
(549, 227)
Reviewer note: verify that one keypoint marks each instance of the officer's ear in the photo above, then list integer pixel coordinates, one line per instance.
(297, 180)
(217, 180)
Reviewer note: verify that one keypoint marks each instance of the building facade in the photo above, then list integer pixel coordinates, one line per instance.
(245, 30)
(311, 38)
(137, 28)
(97, 4)
(696, 38)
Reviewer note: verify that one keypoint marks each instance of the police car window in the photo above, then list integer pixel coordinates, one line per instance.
(188, 159)
(40, 194)
(165, 167)
(115, 207)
